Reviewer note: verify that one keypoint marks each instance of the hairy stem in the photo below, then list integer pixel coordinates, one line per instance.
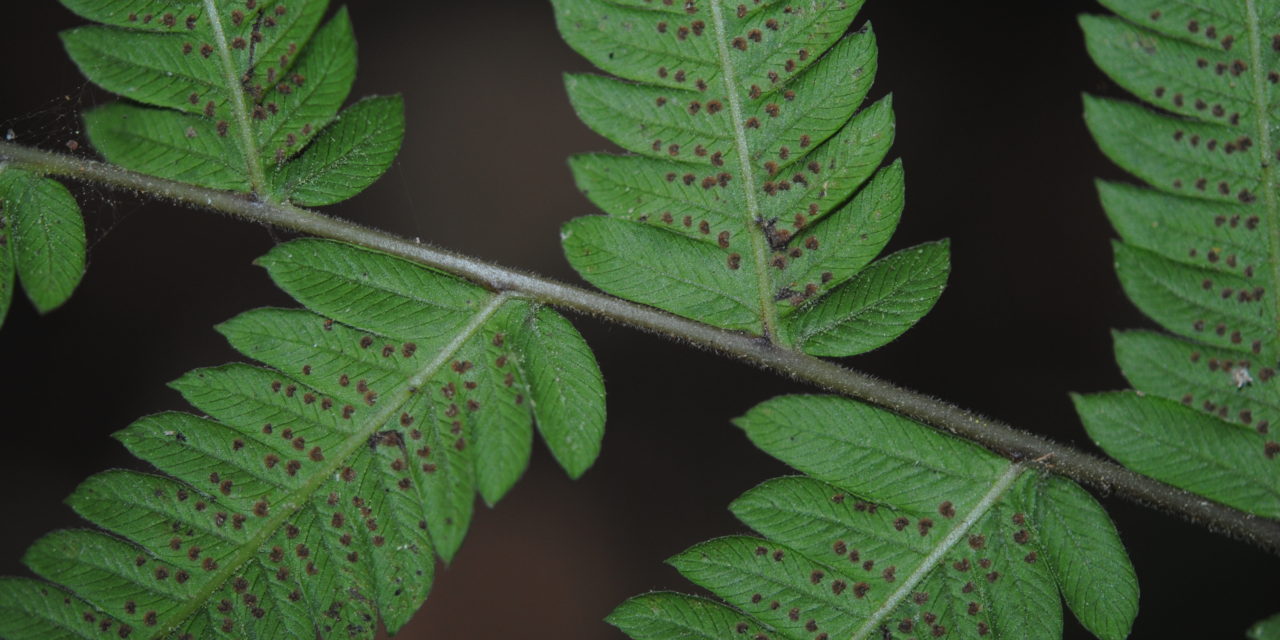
(1019, 446)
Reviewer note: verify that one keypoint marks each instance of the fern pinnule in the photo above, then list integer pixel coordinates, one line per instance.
(754, 197)
(1200, 250)
(42, 240)
(241, 96)
(896, 531)
(315, 496)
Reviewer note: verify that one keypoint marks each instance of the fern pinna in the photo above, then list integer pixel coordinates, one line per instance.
(738, 205)
(1201, 247)
(315, 496)
(237, 95)
(896, 531)
(240, 95)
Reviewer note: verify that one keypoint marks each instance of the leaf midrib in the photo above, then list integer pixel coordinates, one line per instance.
(249, 147)
(759, 247)
(1264, 142)
(936, 557)
(298, 498)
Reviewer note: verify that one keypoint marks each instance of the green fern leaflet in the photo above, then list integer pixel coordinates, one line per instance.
(1268, 629)
(316, 495)
(753, 199)
(42, 240)
(897, 531)
(1201, 247)
(241, 95)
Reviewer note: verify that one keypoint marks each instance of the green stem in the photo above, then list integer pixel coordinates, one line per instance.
(1017, 445)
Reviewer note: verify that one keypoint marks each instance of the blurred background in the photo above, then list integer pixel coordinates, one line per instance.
(997, 159)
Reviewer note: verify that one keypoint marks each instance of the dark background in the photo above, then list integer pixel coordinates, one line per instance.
(988, 103)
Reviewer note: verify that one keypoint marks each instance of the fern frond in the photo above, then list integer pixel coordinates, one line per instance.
(1200, 249)
(315, 495)
(42, 241)
(896, 531)
(753, 199)
(242, 96)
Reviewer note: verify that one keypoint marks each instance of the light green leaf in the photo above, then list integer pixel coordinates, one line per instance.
(1173, 226)
(636, 261)
(1197, 254)
(634, 40)
(348, 155)
(869, 451)
(850, 238)
(565, 387)
(1084, 551)
(943, 540)
(328, 69)
(1186, 448)
(748, 147)
(1176, 296)
(314, 496)
(877, 305)
(146, 140)
(660, 615)
(151, 68)
(146, 15)
(1212, 380)
(44, 239)
(34, 609)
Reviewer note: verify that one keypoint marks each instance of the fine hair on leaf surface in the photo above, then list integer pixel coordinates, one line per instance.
(896, 531)
(1200, 245)
(317, 493)
(753, 197)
